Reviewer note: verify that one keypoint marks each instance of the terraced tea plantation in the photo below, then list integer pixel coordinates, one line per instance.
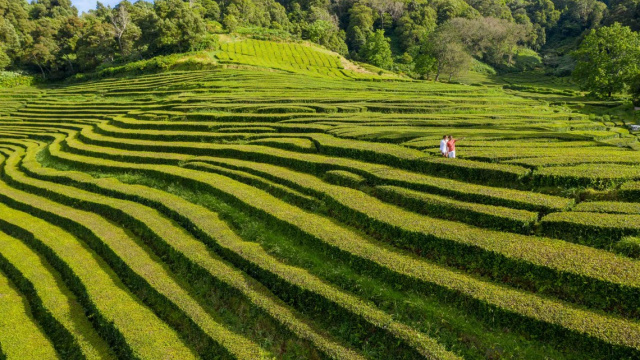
(248, 214)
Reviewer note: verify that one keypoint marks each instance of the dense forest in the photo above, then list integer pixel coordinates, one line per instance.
(422, 38)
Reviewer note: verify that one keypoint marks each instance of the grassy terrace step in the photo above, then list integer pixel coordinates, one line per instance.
(319, 163)
(500, 154)
(515, 305)
(293, 144)
(46, 119)
(148, 81)
(567, 160)
(419, 233)
(433, 205)
(602, 176)
(630, 191)
(141, 268)
(44, 115)
(52, 304)
(416, 161)
(135, 124)
(77, 111)
(533, 144)
(195, 253)
(20, 336)
(488, 216)
(344, 178)
(130, 328)
(590, 228)
(612, 207)
(271, 187)
(230, 117)
(286, 276)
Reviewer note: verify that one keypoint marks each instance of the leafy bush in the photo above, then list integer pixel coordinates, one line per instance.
(10, 79)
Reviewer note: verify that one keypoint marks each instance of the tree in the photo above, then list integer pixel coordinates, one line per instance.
(67, 39)
(425, 64)
(230, 22)
(360, 26)
(15, 27)
(96, 44)
(377, 50)
(4, 59)
(394, 9)
(607, 60)
(41, 52)
(180, 28)
(626, 12)
(415, 26)
(121, 22)
(210, 10)
(488, 38)
(9, 39)
(326, 34)
(451, 56)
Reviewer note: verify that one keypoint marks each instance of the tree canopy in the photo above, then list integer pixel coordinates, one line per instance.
(51, 38)
(608, 60)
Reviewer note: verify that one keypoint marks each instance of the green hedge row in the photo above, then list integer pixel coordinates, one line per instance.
(273, 188)
(198, 325)
(550, 318)
(190, 126)
(344, 178)
(95, 235)
(301, 288)
(630, 191)
(19, 332)
(320, 164)
(628, 246)
(191, 256)
(63, 341)
(487, 216)
(409, 159)
(602, 176)
(104, 324)
(511, 257)
(613, 207)
(589, 228)
(293, 144)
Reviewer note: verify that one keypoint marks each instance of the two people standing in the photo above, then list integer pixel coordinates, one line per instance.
(448, 146)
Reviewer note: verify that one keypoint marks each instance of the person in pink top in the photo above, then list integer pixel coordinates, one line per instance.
(451, 146)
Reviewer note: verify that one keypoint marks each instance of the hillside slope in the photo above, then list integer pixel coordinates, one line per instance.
(238, 213)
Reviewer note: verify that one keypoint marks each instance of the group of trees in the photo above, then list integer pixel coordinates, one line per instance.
(425, 37)
(50, 36)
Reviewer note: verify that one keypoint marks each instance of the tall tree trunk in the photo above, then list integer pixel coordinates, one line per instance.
(70, 64)
(120, 45)
(44, 76)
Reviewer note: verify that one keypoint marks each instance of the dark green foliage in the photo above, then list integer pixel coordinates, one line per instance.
(608, 60)
(376, 50)
(49, 38)
(635, 90)
(628, 246)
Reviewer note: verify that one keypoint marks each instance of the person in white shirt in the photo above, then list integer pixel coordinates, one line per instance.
(443, 146)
